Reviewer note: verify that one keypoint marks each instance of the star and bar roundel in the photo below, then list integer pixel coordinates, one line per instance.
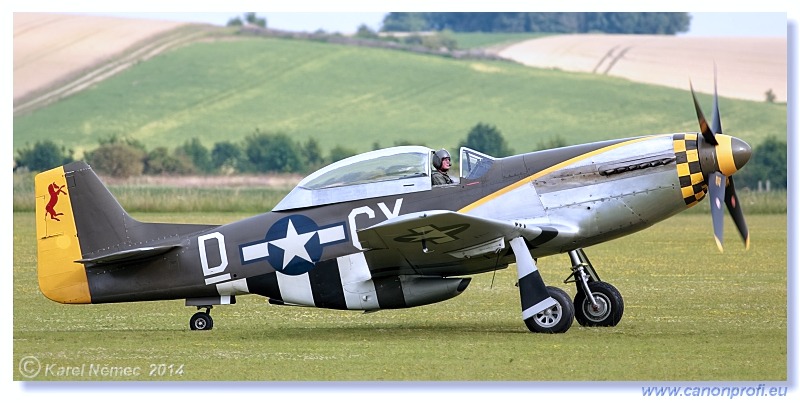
(293, 244)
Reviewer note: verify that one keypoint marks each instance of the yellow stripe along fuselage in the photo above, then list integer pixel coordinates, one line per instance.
(552, 168)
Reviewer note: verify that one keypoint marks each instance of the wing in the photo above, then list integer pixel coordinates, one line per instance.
(442, 238)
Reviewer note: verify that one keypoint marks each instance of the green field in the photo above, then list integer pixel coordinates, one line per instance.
(355, 97)
(691, 313)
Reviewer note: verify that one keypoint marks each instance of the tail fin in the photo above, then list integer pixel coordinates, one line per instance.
(60, 278)
(79, 223)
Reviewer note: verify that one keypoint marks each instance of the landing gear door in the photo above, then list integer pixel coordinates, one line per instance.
(359, 290)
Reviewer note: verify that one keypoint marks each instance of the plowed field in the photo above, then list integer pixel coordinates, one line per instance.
(746, 67)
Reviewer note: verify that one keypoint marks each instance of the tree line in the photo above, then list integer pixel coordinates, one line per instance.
(123, 157)
(553, 22)
(263, 152)
(260, 152)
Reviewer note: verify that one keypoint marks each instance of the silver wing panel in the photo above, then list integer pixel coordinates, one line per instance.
(446, 231)
(443, 243)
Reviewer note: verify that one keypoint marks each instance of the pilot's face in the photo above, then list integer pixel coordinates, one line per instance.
(445, 163)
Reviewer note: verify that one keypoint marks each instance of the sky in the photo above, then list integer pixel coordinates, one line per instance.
(703, 23)
(761, 18)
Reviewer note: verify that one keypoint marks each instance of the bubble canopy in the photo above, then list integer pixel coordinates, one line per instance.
(385, 172)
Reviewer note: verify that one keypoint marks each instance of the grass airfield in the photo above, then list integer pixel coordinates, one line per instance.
(691, 314)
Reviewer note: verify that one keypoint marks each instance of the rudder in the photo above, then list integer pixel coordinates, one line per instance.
(61, 279)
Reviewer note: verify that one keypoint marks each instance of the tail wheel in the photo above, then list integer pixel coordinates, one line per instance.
(608, 311)
(201, 321)
(555, 319)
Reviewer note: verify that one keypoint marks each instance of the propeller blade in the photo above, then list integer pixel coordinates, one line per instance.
(708, 135)
(736, 153)
(716, 194)
(735, 209)
(716, 124)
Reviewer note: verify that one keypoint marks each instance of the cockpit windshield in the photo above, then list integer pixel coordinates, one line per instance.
(474, 164)
(385, 172)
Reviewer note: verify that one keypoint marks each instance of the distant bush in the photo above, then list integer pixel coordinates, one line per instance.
(196, 152)
(768, 162)
(226, 157)
(366, 32)
(249, 18)
(42, 156)
(339, 153)
(488, 140)
(313, 153)
(266, 152)
(770, 96)
(160, 161)
(120, 160)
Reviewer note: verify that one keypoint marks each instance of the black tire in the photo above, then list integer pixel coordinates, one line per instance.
(201, 321)
(556, 319)
(609, 301)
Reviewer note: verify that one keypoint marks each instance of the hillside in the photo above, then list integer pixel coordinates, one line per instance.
(224, 90)
(57, 55)
(747, 67)
(48, 48)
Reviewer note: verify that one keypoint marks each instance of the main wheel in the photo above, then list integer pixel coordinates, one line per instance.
(201, 321)
(555, 319)
(609, 305)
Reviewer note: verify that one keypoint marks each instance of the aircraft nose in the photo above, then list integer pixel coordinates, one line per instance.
(732, 154)
(741, 152)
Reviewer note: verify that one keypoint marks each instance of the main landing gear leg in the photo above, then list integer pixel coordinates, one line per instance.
(202, 320)
(544, 309)
(596, 303)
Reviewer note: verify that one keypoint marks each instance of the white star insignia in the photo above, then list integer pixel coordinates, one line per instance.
(294, 244)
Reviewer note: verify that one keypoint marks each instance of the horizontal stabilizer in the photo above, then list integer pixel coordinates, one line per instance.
(129, 255)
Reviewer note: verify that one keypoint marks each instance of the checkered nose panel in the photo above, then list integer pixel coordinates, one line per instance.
(693, 186)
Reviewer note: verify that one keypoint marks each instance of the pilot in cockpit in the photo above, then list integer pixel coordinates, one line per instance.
(441, 164)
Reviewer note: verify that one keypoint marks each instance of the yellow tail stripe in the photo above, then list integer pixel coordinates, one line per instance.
(60, 278)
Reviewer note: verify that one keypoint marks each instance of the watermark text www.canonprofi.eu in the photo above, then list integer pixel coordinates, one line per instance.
(31, 367)
(760, 390)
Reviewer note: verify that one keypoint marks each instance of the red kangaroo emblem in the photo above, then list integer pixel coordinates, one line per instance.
(54, 190)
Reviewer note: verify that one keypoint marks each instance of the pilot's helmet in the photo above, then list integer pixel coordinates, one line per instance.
(439, 156)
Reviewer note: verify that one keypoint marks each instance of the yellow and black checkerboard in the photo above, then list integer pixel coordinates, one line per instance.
(693, 186)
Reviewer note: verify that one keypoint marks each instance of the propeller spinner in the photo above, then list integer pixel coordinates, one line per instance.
(720, 157)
